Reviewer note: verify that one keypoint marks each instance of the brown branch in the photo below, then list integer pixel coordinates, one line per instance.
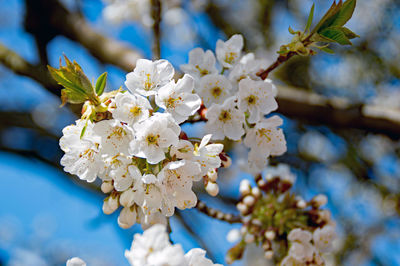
(20, 66)
(281, 59)
(73, 26)
(338, 112)
(156, 7)
(227, 217)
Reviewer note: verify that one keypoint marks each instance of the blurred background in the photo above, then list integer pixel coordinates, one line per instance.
(341, 112)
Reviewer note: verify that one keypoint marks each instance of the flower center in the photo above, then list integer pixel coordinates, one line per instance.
(230, 57)
(136, 110)
(264, 133)
(118, 132)
(202, 72)
(152, 139)
(216, 92)
(252, 99)
(224, 116)
(148, 84)
(171, 102)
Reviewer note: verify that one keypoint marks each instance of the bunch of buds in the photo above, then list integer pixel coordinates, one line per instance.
(273, 217)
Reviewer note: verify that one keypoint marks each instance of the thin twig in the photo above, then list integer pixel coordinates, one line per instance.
(156, 15)
(227, 217)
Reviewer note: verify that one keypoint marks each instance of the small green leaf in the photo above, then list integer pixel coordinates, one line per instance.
(336, 34)
(84, 129)
(327, 50)
(77, 87)
(310, 18)
(328, 17)
(291, 30)
(345, 13)
(101, 84)
(349, 34)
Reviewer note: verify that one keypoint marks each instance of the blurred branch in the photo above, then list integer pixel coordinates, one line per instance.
(156, 9)
(338, 112)
(20, 66)
(74, 26)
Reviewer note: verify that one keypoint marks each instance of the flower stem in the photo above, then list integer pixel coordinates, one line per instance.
(227, 217)
(156, 15)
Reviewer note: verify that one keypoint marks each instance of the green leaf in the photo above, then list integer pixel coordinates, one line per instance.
(327, 50)
(77, 87)
(336, 34)
(84, 129)
(310, 18)
(328, 17)
(101, 84)
(349, 34)
(345, 13)
(291, 30)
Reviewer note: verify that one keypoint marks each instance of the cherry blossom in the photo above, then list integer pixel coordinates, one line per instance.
(131, 108)
(201, 63)
(229, 52)
(214, 88)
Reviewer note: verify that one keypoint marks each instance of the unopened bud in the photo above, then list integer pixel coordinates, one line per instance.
(270, 235)
(127, 198)
(242, 208)
(256, 192)
(245, 187)
(212, 189)
(301, 204)
(107, 187)
(233, 236)
(226, 162)
(127, 217)
(268, 254)
(212, 175)
(319, 201)
(249, 201)
(110, 204)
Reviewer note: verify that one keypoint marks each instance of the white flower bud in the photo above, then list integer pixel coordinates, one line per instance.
(212, 175)
(270, 235)
(110, 204)
(249, 201)
(242, 208)
(226, 163)
(127, 198)
(301, 204)
(261, 182)
(256, 192)
(107, 187)
(220, 215)
(249, 238)
(233, 235)
(244, 187)
(212, 189)
(269, 254)
(319, 200)
(127, 217)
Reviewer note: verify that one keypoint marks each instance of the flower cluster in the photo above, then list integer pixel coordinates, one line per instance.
(153, 248)
(236, 100)
(145, 161)
(290, 230)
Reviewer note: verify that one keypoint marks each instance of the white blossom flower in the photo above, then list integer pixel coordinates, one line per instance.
(127, 217)
(257, 98)
(148, 245)
(256, 161)
(82, 155)
(154, 136)
(149, 76)
(200, 63)
(178, 99)
(148, 194)
(148, 220)
(247, 67)
(114, 135)
(130, 108)
(207, 155)
(301, 248)
(266, 138)
(225, 120)
(121, 170)
(75, 261)
(197, 257)
(183, 150)
(214, 88)
(229, 52)
(323, 238)
(176, 180)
